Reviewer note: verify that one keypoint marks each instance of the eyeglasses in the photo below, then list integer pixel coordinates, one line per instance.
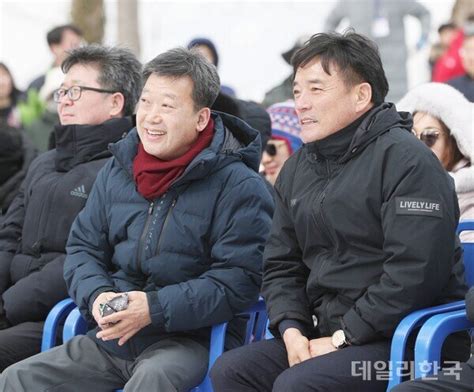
(429, 136)
(75, 92)
(272, 147)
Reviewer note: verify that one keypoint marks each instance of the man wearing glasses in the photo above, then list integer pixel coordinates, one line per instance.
(100, 88)
(173, 232)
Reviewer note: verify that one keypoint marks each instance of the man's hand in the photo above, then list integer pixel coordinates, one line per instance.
(128, 321)
(101, 299)
(321, 346)
(297, 346)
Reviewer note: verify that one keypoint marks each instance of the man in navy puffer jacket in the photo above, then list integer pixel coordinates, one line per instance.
(178, 219)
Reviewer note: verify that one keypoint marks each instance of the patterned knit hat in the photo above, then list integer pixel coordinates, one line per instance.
(285, 124)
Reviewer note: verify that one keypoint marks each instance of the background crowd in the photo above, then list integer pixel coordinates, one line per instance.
(50, 156)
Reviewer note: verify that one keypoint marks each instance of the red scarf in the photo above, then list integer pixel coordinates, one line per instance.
(154, 176)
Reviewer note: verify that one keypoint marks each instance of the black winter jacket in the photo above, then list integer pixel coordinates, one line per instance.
(363, 232)
(16, 154)
(34, 232)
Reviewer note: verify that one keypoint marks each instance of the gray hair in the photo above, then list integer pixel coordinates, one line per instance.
(119, 70)
(181, 62)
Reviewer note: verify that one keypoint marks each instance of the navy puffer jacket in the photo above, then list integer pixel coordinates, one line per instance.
(196, 251)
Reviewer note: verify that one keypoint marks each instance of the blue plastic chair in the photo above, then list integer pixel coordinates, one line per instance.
(433, 333)
(431, 337)
(74, 324)
(420, 317)
(55, 319)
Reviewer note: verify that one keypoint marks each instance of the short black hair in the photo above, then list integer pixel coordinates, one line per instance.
(181, 62)
(55, 35)
(356, 56)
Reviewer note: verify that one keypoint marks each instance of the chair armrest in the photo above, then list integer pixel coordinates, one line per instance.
(55, 317)
(465, 225)
(431, 337)
(256, 327)
(403, 331)
(74, 325)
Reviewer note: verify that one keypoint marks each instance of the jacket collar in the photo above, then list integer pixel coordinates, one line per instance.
(76, 144)
(351, 140)
(335, 145)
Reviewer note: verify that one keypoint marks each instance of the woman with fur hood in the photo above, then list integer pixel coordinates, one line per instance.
(444, 120)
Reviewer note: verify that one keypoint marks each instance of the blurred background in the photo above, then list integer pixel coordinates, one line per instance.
(250, 36)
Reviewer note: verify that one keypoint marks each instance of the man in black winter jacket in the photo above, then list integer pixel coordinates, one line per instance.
(100, 88)
(363, 232)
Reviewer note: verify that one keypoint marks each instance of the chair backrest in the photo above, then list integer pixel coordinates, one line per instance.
(468, 247)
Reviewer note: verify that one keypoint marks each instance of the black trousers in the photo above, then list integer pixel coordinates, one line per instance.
(19, 342)
(263, 366)
(456, 379)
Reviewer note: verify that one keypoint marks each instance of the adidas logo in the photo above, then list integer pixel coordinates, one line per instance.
(80, 191)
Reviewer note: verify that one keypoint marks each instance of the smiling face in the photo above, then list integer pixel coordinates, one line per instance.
(168, 123)
(324, 103)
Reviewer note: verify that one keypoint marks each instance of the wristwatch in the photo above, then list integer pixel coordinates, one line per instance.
(338, 339)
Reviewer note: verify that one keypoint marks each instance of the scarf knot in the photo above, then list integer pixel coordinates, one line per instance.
(154, 176)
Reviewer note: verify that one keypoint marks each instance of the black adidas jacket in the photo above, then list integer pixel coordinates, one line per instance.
(363, 232)
(35, 229)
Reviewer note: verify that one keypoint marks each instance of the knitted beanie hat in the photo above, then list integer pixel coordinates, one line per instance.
(285, 123)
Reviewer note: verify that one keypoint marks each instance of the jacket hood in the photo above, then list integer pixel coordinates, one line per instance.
(77, 144)
(378, 120)
(447, 104)
(234, 140)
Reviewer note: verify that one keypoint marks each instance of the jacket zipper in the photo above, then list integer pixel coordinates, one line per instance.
(46, 207)
(141, 243)
(325, 320)
(321, 220)
(173, 203)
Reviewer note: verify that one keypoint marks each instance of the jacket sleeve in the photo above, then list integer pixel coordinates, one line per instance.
(240, 228)
(10, 236)
(89, 253)
(285, 275)
(31, 298)
(419, 247)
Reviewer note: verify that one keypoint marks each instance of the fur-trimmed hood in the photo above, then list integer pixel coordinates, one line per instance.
(450, 106)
